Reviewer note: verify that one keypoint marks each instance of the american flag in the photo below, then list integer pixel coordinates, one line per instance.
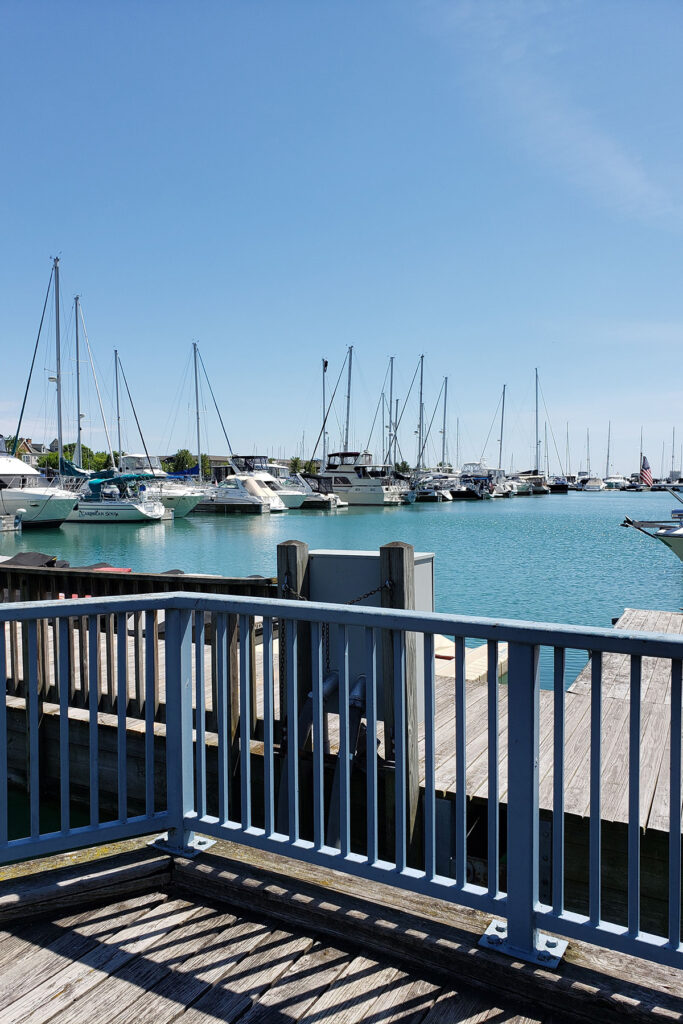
(645, 473)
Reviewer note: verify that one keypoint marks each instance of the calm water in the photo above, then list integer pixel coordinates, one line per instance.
(560, 558)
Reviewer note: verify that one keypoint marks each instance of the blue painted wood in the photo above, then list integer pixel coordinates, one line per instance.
(268, 761)
(245, 721)
(64, 683)
(400, 748)
(317, 728)
(3, 738)
(595, 826)
(675, 808)
(222, 698)
(493, 795)
(344, 751)
(460, 764)
(371, 655)
(430, 781)
(558, 778)
(179, 750)
(200, 713)
(93, 705)
(634, 798)
(33, 725)
(292, 644)
(523, 728)
(121, 708)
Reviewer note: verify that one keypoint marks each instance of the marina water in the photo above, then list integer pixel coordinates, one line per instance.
(556, 558)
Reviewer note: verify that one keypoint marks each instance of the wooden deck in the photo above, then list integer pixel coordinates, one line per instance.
(246, 937)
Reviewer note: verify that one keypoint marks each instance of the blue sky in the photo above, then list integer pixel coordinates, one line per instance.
(496, 185)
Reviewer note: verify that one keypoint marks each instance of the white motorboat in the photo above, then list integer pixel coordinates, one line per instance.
(281, 496)
(25, 492)
(616, 483)
(593, 483)
(356, 478)
(239, 493)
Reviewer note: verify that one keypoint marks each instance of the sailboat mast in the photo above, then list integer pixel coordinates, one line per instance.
(348, 401)
(443, 432)
(588, 451)
(323, 463)
(502, 424)
(58, 348)
(196, 405)
(673, 451)
(391, 403)
(569, 466)
(395, 432)
(538, 441)
(118, 410)
(609, 438)
(421, 421)
(79, 445)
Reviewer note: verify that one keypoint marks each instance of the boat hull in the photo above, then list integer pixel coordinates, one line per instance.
(116, 512)
(41, 506)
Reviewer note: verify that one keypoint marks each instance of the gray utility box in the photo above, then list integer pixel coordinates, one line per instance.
(338, 577)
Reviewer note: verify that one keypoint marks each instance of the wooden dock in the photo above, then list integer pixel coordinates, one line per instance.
(127, 936)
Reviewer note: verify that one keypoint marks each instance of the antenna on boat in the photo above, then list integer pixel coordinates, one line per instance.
(60, 443)
(196, 400)
(79, 445)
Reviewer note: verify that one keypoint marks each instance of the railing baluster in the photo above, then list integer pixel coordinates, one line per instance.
(220, 627)
(595, 826)
(430, 781)
(675, 808)
(245, 719)
(4, 833)
(93, 701)
(66, 665)
(200, 713)
(400, 772)
(634, 798)
(317, 711)
(121, 707)
(523, 732)
(493, 797)
(372, 652)
(460, 765)
(33, 725)
(268, 760)
(559, 656)
(344, 751)
(292, 641)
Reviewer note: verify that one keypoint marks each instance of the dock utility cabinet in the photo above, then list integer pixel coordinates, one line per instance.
(341, 577)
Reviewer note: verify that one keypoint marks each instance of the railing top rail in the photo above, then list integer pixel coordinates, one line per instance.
(594, 638)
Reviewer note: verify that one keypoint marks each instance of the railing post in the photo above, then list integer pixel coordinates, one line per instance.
(180, 840)
(521, 938)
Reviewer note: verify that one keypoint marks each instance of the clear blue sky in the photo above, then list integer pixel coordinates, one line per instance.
(497, 185)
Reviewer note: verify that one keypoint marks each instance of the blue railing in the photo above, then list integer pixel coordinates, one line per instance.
(263, 746)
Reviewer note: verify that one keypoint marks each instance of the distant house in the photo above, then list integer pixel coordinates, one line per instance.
(29, 451)
(54, 446)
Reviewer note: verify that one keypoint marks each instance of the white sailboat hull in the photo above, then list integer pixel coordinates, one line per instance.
(42, 506)
(117, 512)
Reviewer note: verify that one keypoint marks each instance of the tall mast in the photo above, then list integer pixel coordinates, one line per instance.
(395, 432)
(502, 424)
(79, 446)
(673, 451)
(640, 461)
(118, 411)
(547, 467)
(609, 438)
(60, 439)
(443, 432)
(391, 403)
(196, 403)
(569, 465)
(588, 452)
(457, 443)
(538, 442)
(323, 462)
(348, 401)
(421, 421)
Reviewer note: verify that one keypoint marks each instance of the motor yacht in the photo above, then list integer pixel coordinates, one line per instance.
(357, 479)
(25, 492)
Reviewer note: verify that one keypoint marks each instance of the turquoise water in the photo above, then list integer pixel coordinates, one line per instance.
(559, 558)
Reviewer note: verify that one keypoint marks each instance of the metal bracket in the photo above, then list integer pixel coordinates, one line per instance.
(196, 845)
(547, 953)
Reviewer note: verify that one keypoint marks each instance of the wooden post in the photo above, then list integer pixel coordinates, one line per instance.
(293, 583)
(397, 564)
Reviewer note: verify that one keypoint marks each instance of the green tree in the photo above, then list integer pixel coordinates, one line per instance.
(402, 467)
(295, 464)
